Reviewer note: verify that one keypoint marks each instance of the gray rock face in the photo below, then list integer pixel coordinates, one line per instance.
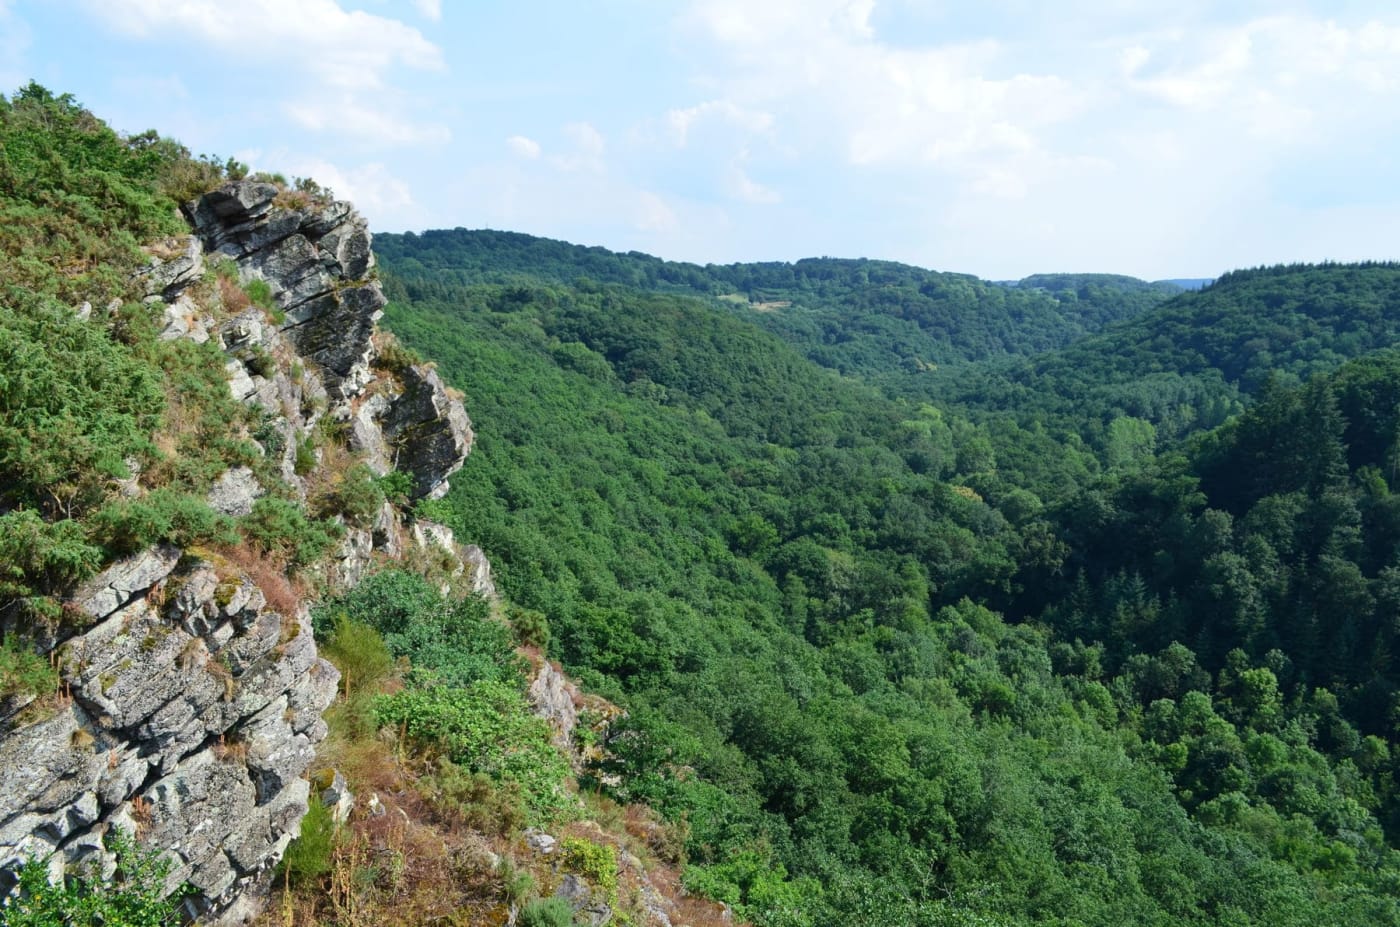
(235, 492)
(119, 583)
(552, 698)
(428, 430)
(193, 711)
(165, 279)
(316, 262)
(587, 905)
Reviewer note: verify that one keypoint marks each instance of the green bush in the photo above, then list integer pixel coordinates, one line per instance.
(356, 495)
(260, 293)
(281, 528)
(596, 862)
(162, 516)
(309, 856)
(531, 627)
(73, 406)
(395, 357)
(358, 651)
(37, 557)
(455, 640)
(396, 485)
(305, 460)
(134, 898)
(486, 727)
(481, 802)
(24, 671)
(546, 912)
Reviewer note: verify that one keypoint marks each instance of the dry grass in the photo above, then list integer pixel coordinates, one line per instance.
(142, 810)
(231, 751)
(232, 296)
(283, 594)
(406, 866)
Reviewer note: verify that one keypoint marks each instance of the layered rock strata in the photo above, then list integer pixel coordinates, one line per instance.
(191, 705)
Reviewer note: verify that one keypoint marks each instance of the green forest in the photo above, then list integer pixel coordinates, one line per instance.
(940, 601)
(930, 600)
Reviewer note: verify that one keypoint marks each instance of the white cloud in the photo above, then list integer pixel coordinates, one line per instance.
(1132, 58)
(651, 214)
(588, 148)
(343, 49)
(823, 65)
(383, 198)
(742, 187)
(1111, 131)
(430, 9)
(588, 139)
(523, 147)
(347, 116)
(681, 121)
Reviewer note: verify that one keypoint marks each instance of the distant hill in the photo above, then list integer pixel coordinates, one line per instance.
(1188, 363)
(858, 316)
(1189, 283)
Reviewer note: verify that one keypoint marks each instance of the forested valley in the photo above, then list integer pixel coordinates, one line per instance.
(898, 597)
(937, 600)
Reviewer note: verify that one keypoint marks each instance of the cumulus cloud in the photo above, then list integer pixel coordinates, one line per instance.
(431, 9)
(651, 214)
(523, 147)
(348, 116)
(344, 49)
(1085, 127)
(588, 147)
(878, 103)
(681, 121)
(382, 197)
(335, 59)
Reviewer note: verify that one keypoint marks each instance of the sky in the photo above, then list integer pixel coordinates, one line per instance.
(999, 137)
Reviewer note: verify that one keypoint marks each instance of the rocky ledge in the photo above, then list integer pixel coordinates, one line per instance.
(191, 708)
(193, 691)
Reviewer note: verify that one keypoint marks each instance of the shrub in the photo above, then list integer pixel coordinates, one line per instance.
(309, 856)
(456, 641)
(597, 862)
(478, 800)
(38, 556)
(487, 728)
(396, 486)
(162, 516)
(24, 671)
(355, 495)
(134, 898)
(546, 912)
(189, 178)
(259, 292)
(531, 627)
(394, 357)
(75, 403)
(280, 528)
(358, 651)
(305, 460)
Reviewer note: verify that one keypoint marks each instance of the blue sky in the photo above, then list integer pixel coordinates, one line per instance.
(1001, 138)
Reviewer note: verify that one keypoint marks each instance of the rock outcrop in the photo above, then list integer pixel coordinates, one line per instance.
(192, 706)
(318, 265)
(190, 710)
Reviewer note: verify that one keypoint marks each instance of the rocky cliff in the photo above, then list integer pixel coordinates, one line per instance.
(192, 688)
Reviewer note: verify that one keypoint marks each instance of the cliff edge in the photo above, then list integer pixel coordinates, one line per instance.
(192, 690)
